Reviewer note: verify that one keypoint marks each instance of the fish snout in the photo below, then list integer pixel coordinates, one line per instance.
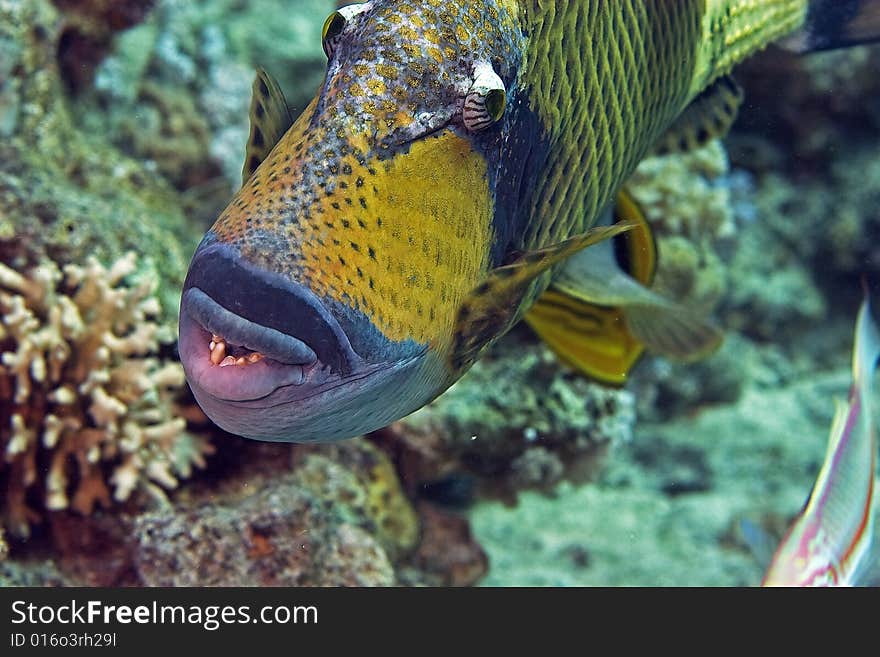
(245, 331)
(269, 359)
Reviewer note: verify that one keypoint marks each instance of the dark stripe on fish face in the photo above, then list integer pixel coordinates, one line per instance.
(518, 165)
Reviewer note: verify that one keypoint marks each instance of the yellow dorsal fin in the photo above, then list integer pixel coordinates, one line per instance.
(491, 308)
(270, 119)
(709, 116)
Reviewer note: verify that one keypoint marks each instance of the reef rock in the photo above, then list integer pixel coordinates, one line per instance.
(518, 419)
(66, 195)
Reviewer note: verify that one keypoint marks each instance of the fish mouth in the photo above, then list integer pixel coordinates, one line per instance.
(234, 359)
(245, 333)
(266, 359)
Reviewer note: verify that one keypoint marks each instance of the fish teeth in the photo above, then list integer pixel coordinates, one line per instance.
(218, 349)
(219, 357)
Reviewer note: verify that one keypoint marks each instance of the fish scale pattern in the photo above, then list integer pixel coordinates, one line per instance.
(605, 103)
(379, 199)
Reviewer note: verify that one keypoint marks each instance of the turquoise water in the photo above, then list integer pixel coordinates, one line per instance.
(122, 138)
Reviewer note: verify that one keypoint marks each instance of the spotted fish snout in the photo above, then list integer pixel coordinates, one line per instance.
(322, 304)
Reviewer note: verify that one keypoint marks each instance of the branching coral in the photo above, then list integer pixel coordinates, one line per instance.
(84, 396)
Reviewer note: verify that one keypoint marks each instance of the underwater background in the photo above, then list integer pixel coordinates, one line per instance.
(122, 134)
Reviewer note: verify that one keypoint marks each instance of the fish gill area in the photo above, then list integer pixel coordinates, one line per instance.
(122, 133)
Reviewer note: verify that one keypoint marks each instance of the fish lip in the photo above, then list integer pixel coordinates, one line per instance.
(266, 301)
(270, 400)
(334, 383)
(232, 384)
(301, 342)
(239, 331)
(322, 410)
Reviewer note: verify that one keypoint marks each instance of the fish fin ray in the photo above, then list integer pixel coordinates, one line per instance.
(671, 330)
(709, 116)
(599, 316)
(491, 308)
(636, 248)
(592, 339)
(618, 271)
(270, 118)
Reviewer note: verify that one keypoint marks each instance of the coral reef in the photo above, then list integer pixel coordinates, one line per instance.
(65, 195)
(373, 492)
(690, 200)
(448, 554)
(86, 398)
(810, 107)
(281, 515)
(688, 204)
(88, 31)
(284, 536)
(176, 90)
(666, 510)
(808, 134)
(31, 572)
(517, 419)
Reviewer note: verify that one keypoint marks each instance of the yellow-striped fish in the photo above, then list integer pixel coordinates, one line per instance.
(450, 172)
(830, 541)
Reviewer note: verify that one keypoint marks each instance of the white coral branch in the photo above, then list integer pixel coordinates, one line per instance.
(80, 374)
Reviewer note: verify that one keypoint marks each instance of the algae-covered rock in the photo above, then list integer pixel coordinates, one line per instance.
(688, 204)
(280, 516)
(283, 536)
(667, 510)
(518, 419)
(68, 195)
(176, 89)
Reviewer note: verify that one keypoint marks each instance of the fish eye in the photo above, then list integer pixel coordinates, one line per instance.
(333, 27)
(486, 100)
(496, 101)
(336, 23)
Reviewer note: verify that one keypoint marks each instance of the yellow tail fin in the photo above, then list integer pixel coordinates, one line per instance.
(592, 339)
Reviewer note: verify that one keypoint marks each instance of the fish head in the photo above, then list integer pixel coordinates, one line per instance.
(322, 304)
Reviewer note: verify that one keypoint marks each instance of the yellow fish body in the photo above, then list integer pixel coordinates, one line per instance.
(453, 165)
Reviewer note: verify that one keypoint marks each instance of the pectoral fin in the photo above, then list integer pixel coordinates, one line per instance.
(491, 308)
(592, 339)
(709, 116)
(604, 343)
(671, 330)
(599, 315)
(270, 119)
